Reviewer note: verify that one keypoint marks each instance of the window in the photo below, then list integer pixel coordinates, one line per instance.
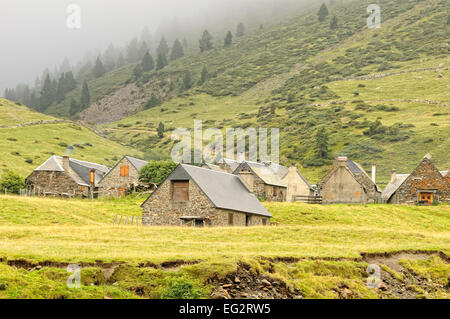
(199, 223)
(230, 219)
(124, 171)
(180, 191)
(275, 191)
(82, 188)
(264, 222)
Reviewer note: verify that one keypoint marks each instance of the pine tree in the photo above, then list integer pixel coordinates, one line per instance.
(206, 42)
(228, 39)
(163, 48)
(205, 75)
(109, 58)
(133, 51)
(74, 107)
(147, 62)
(143, 50)
(85, 96)
(177, 51)
(321, 147)
(137, 71)
(48, 93)
(334, 23)
(60, 91)
(162, 62)
(185, 43)
(240, 30)
(120, 61)
(323, 12)
(187, 80)
(98, 69)
(160, 130)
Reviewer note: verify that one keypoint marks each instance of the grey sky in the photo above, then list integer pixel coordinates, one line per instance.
(34, 34)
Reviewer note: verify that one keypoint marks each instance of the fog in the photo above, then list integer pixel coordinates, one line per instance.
(35, 34)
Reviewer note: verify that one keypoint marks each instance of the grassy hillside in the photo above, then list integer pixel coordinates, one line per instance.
(314, 250)
(301, 76)
(28, 138)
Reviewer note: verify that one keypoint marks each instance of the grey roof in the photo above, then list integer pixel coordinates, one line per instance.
(392, 187)
(80, 170)
(233, 164)
(225, 191)
(137, 163)
(268, 173)
(356, 168)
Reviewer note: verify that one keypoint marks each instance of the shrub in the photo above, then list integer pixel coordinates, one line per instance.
(156, 172)
(12, 182)
(182, 288)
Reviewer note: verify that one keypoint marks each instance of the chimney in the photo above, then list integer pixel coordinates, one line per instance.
(247, 179)
(65, 163)
(374, 173)
(341, 161)
(393, 175)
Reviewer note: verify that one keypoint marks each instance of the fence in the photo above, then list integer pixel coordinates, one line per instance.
(308, 199)
(127, 220)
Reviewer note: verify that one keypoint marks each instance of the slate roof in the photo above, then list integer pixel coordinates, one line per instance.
(225, 191)
(137, 163)
(80, 170)
(392, 187)
(268, 173)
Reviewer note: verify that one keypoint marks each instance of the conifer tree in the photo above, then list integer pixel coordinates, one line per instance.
(177, 51)
(147, 62)
(98, 69)
(228, 39)
(162, 62)
(85, 96)
(323, 12)
(206, 42)
(204, 76)
(120, 61)
(334, 23)
(240, 30)
(160, 130)
(163, 48)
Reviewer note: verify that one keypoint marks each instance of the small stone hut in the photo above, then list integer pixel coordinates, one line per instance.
(194, 196)
(66, 177)
(123, 178)
(424, 186)
(347, 182)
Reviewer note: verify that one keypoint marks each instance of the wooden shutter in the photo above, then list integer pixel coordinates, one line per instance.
(124, 171)
(180, 191)
(92, 177)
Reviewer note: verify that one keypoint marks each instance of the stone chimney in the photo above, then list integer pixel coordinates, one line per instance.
(247, 179)
(341, 161)
(66, 163)
(393, 175)
(374, 173)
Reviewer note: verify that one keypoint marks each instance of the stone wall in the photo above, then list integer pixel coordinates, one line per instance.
(161, 210)
(264, 191)
(373, 195)
(424, 178)
(110, 185)
(57, 183)
(296, 185)
(340, 187)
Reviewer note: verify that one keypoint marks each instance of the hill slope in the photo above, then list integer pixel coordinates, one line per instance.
(300, 75)
(28, 138)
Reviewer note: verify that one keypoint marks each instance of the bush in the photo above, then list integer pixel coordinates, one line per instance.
(182, 288)
(12, 182)
(156, 172)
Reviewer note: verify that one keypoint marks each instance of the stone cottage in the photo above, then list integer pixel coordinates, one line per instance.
(424, 186)
(66, 177)
(123, 178)
(347, 182)
(194, 196)
(290, 178)
(263, 180)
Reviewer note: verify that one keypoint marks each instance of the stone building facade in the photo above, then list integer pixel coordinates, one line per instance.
(66, 177)
(262, 181)
(424, 186)
(348, 183)
(123, 178)
(206, 203)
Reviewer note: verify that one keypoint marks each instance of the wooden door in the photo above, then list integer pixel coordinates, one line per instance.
(426, 198)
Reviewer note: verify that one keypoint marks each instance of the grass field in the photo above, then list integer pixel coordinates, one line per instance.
(24, 148)
(324, 242)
